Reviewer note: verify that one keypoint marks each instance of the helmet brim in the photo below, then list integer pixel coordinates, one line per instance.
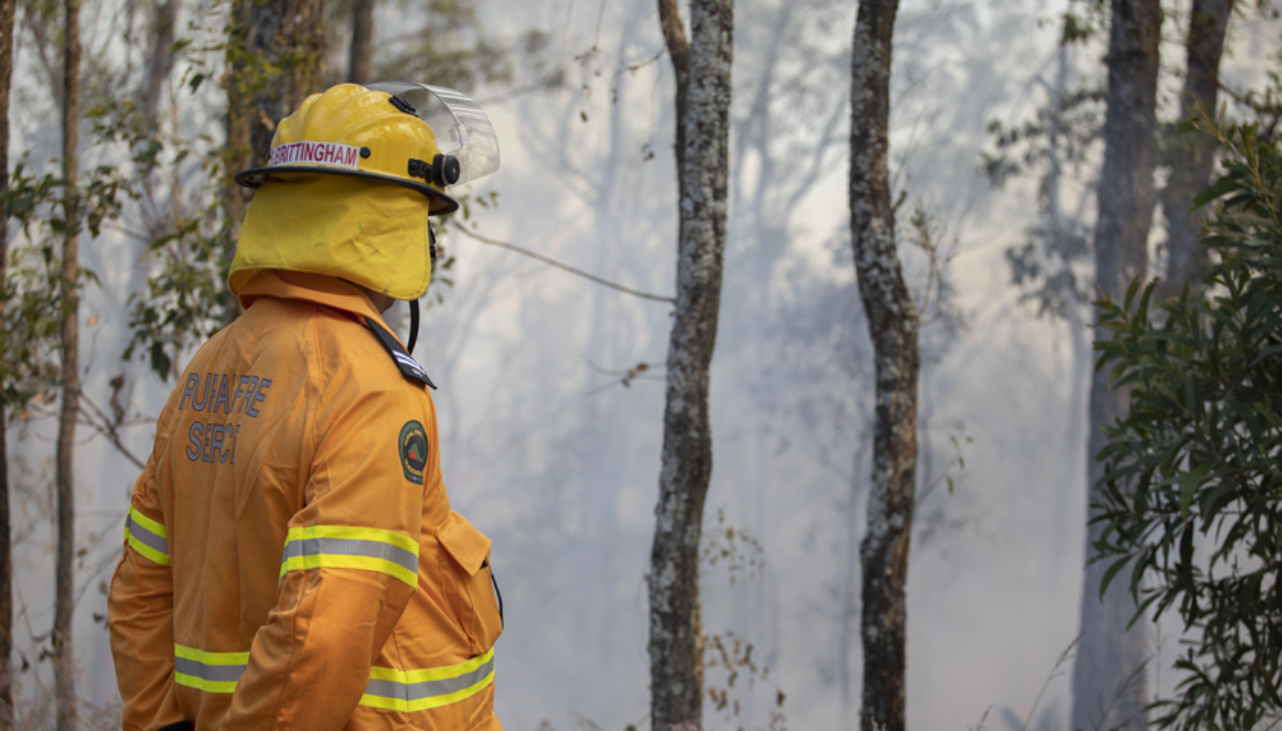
(441, 204)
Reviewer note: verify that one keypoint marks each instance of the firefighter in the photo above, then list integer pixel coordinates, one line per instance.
(291, 560)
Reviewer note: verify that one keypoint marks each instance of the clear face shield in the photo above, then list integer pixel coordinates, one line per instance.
(461, 128)
(462, 131)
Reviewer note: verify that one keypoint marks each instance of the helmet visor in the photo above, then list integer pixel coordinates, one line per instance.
(461, 128)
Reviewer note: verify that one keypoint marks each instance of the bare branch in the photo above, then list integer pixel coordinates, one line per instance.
(674, 35)
(99, 422)
(566, 267)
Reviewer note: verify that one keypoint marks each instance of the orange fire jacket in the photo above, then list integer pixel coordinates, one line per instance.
(291, 560)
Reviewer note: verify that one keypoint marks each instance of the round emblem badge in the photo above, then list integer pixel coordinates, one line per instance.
(413, 450)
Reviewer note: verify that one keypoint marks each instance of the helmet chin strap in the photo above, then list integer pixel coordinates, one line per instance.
(414, 315)
(413, 325)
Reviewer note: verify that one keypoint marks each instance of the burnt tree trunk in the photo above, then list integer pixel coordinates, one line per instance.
(361, 54)
(1109, 679)
(1192, 154)
(702, 151)
(893, 324)
(7, 8)
(64, 599)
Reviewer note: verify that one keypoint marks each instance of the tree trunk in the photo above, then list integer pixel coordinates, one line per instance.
(702, 152)
(359, 64)
(162, 59)
(237, 152)
(1109, 679)
(6, 549)
(892, 324)
(1192, 154)
(287, 34)
(64, 659)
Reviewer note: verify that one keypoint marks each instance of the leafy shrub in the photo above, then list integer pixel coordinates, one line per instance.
(1192, 495)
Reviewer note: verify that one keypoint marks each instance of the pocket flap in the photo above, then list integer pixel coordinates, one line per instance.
(466, 545)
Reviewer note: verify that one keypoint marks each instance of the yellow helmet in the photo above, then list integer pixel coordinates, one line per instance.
(354, 131)
(352, 177)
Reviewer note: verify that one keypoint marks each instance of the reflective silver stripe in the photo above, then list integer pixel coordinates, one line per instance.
(350, 547)
(146, 537)
(212, 673)
(411, 696)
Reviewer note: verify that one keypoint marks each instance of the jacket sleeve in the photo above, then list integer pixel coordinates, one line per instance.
(140, 615)
(348, 569)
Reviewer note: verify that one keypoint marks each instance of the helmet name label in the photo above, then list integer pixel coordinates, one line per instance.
(317, 153)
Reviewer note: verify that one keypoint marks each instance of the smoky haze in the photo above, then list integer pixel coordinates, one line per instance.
(551, 431)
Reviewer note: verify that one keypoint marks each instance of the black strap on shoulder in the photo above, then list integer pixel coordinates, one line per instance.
(409, 367)
(180, 726)
(498, 594)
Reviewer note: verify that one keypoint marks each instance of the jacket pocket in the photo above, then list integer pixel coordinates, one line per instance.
(467, 581)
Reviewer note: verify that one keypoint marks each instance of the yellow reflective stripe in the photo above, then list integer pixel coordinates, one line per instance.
(148, 551)
(419, 690)
(365, 549)
(211, 658)
(352, 533)
(158, 529)
(418, 676)
(147, 537)
(148, 523)
(209, 686)
(212, 672)
(397, 704)
(363, 563)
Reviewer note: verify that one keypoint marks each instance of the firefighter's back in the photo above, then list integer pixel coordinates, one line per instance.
(231, 478)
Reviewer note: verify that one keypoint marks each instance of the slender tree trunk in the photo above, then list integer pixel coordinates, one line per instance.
(359, 63)
(703, 125)
(1192, 154)
(164, 21)
(892, 323)
(7, 8)
(64, 659)
(1109, 680)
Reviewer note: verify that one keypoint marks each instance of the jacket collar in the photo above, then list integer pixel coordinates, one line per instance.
(323, 290)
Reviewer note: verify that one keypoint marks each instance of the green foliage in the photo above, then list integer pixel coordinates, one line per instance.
(181, 202)
(187, 242)
(35, 296)
(1191, 500)
(185, 299)
(1084, 21)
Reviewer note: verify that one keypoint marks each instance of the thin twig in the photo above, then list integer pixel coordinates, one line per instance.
(640, 64)
(626, 377)
(1055, 673)
(566, 267)
(107, 429)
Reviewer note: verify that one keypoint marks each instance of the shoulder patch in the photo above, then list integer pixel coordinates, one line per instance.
(412, 446)
(409, 367)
